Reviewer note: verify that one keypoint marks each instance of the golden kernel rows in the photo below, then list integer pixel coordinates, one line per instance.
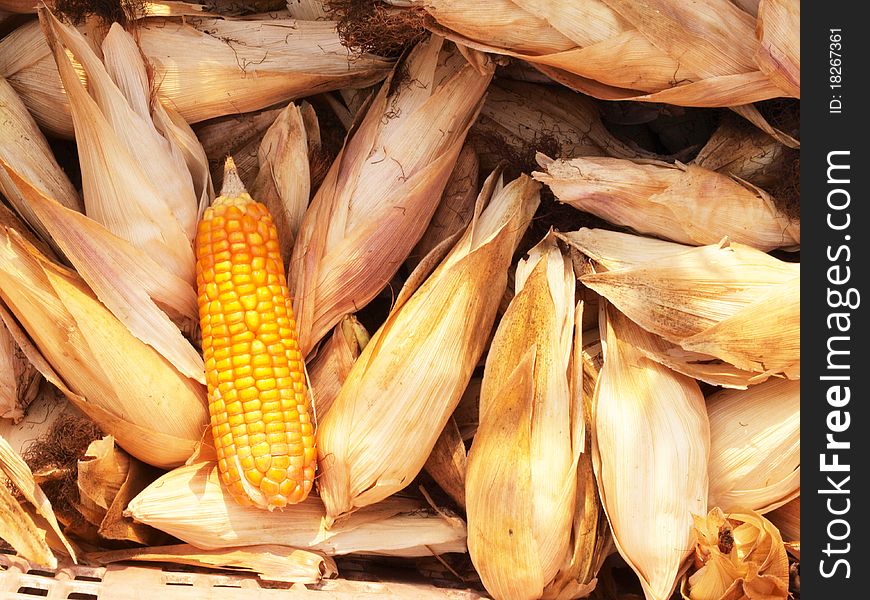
(258, 400)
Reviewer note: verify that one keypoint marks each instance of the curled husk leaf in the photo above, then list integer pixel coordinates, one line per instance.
(682, 203)
(655, 51)
(522, 466)
(384, 186)
(333, 362)
(755, 446)
(738, 556)
(725, 300)
(414, 370)
(191, 504)
(651, 442)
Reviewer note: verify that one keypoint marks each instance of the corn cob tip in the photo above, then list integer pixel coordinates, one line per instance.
(232, 186)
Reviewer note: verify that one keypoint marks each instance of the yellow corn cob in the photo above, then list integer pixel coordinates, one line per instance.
(257, 389)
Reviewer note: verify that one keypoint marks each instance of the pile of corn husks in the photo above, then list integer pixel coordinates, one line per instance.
(544, 267)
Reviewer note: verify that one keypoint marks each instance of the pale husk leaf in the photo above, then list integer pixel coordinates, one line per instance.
(755, 446)
(660, 51)
(119, 190)
(682, 203)
(383, 187)
(253, 63)
(522, 471)
(102, 471)
(191, 504)
(726, 300)
(651, 441)
(134, 286)
(414, 370)
(125, 386)
(269, 562)
(752, 565)
(283, 182)
(335, 357)
(779, 54)
(24, 147)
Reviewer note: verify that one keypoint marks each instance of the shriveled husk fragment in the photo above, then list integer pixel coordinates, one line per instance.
(787, 518)
(414, 370)
(739, 149)
(102, 472)
(725, 300)
(519, 118)
(651, 447)
(384, 186)
(658, 51)
(755, 446)
(683, 203)
(252, 63)
(19, 384)
(269, 562)
(333, 362)
(27, 532)
(456, 208)
(132, 392)
(24, 147)
(737, 556)
(522, 466)
(283, 182)
(191, 504)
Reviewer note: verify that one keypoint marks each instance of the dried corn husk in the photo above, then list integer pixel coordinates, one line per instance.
(238, 136)
(456, 208)
(787, 518)
(18, 529)
(283, 182)
(447, 463)
(126, 387)
(522, 466)
(521, 118)
(269, 562)
(307, 10)
(414, 370)
(701, 54)
(383, 188)
(24, 147)
(467, 413)
(740, 555)
(102, 471)
(741, 150)
(650, 449)
(779, 54)
(190, 503)
(683, 203)
(333, 362)
(15, 470)
(755, 446)
(725, 300)
(253, 63)
(19, 386)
